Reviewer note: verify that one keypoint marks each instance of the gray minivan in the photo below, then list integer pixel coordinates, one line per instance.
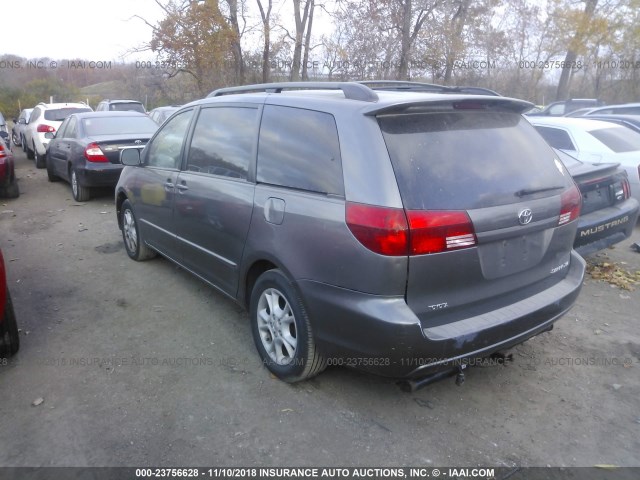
(396, 232)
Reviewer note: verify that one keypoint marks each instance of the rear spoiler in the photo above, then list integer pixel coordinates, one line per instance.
(452, 103)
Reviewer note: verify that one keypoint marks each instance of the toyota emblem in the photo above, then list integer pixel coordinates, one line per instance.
(525, 216)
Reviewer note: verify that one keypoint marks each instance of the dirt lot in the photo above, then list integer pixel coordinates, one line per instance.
(140, 364)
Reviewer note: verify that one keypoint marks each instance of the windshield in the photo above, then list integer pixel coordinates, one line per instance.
(119, 126)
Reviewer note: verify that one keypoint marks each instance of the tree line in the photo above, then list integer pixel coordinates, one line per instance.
(538, 51)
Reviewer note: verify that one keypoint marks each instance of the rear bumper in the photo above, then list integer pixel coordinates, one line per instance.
(605, 227)
(100, 174)
(382, 335)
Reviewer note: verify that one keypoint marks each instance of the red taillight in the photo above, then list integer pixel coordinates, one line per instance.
(45, 128)
(94, 153)
(3, 151)
(570, 204)
(394, 232)
(439, 231)
(382, 230)
(626, 188)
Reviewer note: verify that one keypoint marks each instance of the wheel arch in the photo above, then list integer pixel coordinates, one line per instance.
(121, 197)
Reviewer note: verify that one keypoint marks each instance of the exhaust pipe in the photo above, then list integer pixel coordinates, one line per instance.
(412, 386)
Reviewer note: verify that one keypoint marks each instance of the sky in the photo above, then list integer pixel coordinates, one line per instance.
(86, 29)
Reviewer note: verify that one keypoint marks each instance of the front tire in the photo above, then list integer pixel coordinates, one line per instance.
(80, 193)
(131, 236)
(30, 153)
(9, 339)
(282, 331)
(50, 174)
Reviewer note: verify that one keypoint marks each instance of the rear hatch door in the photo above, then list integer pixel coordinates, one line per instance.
(490, 164)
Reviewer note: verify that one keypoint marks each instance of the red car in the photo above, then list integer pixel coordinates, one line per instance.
(9, 340)
(8, 181)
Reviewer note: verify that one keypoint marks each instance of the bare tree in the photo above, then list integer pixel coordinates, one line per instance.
(572, 53)
(265, 15)
(301, 14)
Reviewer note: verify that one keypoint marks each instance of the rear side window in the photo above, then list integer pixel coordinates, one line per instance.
(466, 160)
(300, 149)
(618, 139)
(35, 115)
(223, 141)
(71, 130)
(556, 137)
(59, 114)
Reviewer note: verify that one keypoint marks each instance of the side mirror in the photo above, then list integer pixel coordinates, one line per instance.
(130, 156)
(4, 134)
(49, 135)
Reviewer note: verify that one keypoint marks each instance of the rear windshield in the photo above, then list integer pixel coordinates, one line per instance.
(59, 114)
(618, 139)
(119, 125)
(465, 160)
(125, 107)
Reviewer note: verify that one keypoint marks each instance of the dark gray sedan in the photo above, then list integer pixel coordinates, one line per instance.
(86, 149)
(608, 212)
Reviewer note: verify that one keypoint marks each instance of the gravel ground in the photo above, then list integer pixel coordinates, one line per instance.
(141, 364)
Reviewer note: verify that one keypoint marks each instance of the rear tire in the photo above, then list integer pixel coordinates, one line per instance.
(282, 331)
(80, 193)
(12, 190)
(131, 236)
(41, 160)
(9, 339)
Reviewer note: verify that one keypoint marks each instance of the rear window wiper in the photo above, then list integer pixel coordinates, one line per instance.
(531, 191)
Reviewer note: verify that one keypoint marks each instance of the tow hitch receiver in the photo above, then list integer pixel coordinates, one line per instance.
(415, 385)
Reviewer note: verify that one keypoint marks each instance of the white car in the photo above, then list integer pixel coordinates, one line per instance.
(594, 141)
(45, 118)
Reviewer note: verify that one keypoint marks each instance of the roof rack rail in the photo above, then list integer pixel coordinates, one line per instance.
(351, 90)
(406, 85)
(403, 85)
